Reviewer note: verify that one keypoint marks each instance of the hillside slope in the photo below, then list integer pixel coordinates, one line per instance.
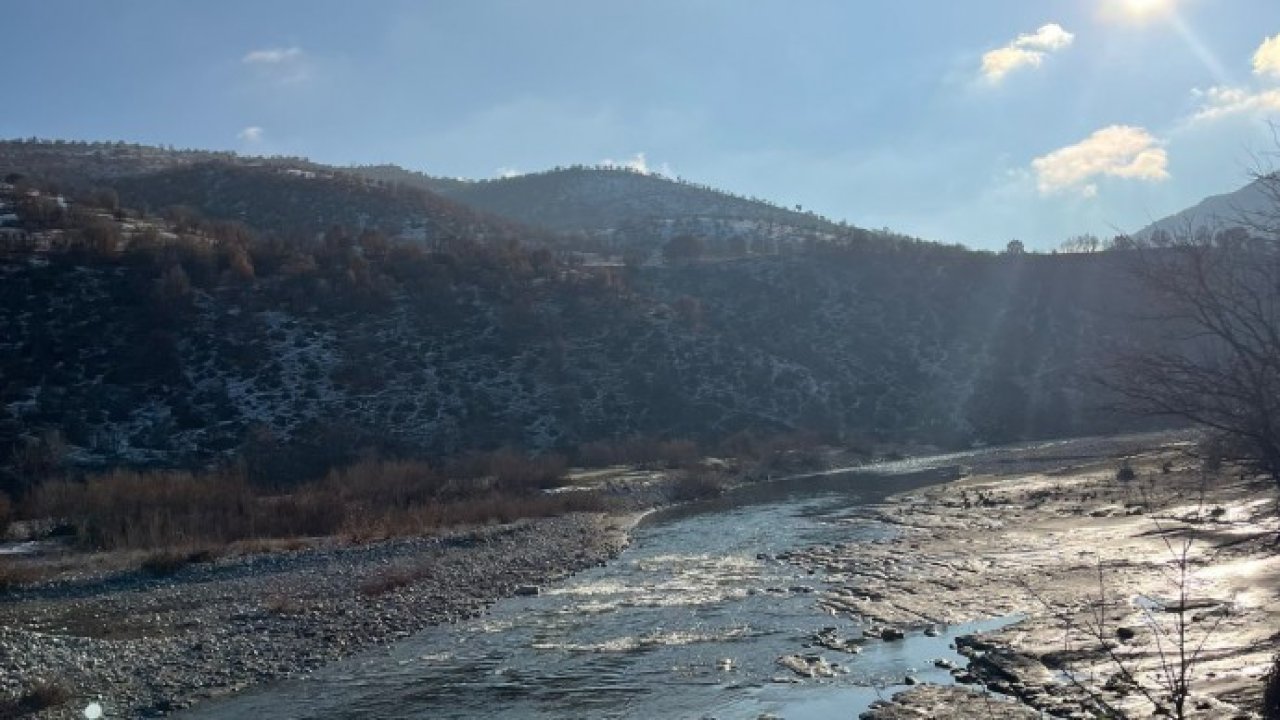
(279, 195)
(1252, 205)
(592, 198)
(177, 338)
(190, 348)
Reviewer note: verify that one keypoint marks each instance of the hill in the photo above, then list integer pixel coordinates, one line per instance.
(181, 338)
(596, 198)
(1252, 205)
(278, 195)
(615, 210)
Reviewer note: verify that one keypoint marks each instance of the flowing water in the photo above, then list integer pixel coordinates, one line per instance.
(687, 623)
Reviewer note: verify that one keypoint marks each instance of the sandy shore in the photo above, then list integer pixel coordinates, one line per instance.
(1089, 567)
(142, 646)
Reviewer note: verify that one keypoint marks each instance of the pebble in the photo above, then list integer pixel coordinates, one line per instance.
(214, 629)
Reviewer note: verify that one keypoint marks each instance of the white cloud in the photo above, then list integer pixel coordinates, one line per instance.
(1117, 151)
(251, 134)
(272, 56)
(1224, 101)
(638, 163)
(507, 172)
(1025, 51)
(281, 65)
(1266, 61)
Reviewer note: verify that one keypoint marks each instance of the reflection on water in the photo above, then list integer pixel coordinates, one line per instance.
(688, 622)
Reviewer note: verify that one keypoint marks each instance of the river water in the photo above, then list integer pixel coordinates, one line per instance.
(686, 623)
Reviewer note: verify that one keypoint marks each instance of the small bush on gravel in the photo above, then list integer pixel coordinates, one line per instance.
(696, 485)
(1271, 695)
(15, 573)
(283, 605)
(6, 514)
(165, 563)
(40, 695)
(164, 510)
(388, 580)
(639, 450)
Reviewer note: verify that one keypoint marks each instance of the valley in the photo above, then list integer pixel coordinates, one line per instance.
(273, 429)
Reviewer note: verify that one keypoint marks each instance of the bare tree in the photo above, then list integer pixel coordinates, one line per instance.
(1214, 359)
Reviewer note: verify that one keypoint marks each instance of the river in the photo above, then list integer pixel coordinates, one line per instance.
(688, 622)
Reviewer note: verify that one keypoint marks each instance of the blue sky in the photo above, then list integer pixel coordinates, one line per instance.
(973, 121)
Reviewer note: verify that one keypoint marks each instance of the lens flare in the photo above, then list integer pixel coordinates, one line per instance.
(1136, 10)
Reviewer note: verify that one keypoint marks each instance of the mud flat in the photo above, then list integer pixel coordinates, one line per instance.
(1089, 558)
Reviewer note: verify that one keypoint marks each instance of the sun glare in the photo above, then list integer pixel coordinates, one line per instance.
(1137, 10)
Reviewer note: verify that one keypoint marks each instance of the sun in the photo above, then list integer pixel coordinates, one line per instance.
(1137, 10)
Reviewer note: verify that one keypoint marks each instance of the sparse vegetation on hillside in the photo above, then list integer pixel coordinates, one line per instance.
(184, 339)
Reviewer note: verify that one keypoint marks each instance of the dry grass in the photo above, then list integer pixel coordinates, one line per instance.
(176, 509)
(266, 546)
(164, 563)
(697, 485)
(283, 605)
(181, 517)
(639, 450)
(390, 580)
(167, 509)
(16, 573)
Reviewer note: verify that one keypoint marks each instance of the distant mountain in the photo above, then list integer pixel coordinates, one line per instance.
(1243, 207)
(618, 210)
(283, 195)
(593, 198)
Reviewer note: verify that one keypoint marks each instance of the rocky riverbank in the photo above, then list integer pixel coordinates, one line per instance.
(1088, 551)
(145, 646)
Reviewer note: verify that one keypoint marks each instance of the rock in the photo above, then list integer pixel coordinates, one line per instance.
(1126, 633)
(528, 590)
(932, 631)
(810, 666)
(910, 680)
(944, 663)
(890, 634)
(828, 638)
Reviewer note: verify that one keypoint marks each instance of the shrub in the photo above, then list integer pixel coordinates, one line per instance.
(14, 574)
(639, 450)
(1271, 695)
(696, 485)
(6, 513)
(165, 563)
(1126, 474)
(283, 605)
(174, 509)
(40, 695)
(389, 580)
(511, 470)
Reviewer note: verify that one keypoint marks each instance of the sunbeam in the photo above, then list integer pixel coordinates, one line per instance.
(1201, 51)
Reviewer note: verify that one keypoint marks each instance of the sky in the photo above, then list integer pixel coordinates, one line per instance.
(974, 121)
